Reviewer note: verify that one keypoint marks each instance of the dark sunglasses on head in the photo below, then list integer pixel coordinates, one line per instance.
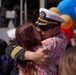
(45, 28)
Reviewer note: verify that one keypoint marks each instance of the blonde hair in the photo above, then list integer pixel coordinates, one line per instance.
(67, 65)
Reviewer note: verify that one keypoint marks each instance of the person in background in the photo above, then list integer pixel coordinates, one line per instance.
(3, 45)
(11, 35)
(12, 39)
(6, 62)
(48, 25)
(67, 64)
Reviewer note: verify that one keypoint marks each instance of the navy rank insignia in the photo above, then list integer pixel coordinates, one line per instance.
(42, 14)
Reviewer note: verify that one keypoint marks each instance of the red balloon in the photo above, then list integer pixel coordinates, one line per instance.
(69, 32)
(69, 41)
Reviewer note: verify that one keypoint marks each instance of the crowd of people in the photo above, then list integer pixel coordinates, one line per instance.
(38, 49)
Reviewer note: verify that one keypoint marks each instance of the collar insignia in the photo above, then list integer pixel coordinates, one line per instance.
(42, 14)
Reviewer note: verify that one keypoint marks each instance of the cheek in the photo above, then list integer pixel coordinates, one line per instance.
(49, 32)
(39, 36)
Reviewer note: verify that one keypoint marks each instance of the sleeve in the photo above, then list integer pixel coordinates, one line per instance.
(15, 50)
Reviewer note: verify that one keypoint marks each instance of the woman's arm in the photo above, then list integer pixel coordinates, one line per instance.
(39, 57)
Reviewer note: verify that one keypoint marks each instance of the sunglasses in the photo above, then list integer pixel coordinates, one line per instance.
(45, 28)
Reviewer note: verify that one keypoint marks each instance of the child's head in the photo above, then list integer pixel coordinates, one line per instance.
(27, 35)
(67, 65)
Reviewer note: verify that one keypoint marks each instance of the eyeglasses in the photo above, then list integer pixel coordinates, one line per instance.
(45, 28)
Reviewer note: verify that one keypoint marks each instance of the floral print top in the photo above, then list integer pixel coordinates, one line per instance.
(56, 46)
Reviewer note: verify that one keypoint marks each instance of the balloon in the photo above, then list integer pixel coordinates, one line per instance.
(74, 24)
(68, 7)
(69, 41)
(69, 32)
(73, 13)
(54, 9)
(69, 22)
(63, 7)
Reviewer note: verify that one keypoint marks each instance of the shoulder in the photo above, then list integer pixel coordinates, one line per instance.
(58, 38)
(62, 37)
(62, 34)
(56, 41)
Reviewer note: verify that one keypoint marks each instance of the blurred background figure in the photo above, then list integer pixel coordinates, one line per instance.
(67, 65)
(6, 62)
(3, 46)
(11, 35)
